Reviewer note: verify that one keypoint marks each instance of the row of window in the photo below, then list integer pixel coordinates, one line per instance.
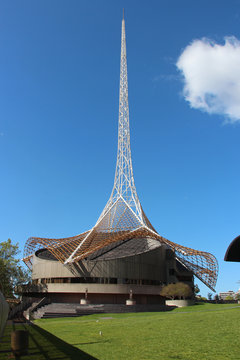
(97, 280)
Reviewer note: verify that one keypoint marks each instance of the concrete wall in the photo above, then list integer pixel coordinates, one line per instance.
(104, 293)
(102, 298)
(103, 288)
(150, 265)
(180, 303)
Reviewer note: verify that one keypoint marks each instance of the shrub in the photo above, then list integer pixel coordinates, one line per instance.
(177, 291)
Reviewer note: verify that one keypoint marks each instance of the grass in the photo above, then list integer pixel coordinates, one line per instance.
(42, 345)
(204, 332)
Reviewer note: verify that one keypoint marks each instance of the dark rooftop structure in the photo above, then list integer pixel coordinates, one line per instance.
(233, 251)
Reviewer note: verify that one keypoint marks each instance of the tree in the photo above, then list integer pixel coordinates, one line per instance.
(237, 296)
(196, 289)
(229, 297)
(11, 272)
(179, 290)
(209, 296)
(168, 291)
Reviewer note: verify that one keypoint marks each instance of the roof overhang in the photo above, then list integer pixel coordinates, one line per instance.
(233, 251)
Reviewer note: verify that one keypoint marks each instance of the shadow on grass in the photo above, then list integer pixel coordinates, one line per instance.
(92, 342)
(56, 347)
(199, 303)
(43, 345)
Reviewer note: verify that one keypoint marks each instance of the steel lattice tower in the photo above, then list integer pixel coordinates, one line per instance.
(123, 218)
(124, 186)
(124, 189)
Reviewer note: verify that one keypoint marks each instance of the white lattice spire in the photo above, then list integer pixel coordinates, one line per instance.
(123, 211)
(124, 187)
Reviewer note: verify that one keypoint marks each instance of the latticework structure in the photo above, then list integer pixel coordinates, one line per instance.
(123, 228)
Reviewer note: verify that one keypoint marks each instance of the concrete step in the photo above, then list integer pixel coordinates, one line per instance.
(73, 310)
(48, 315)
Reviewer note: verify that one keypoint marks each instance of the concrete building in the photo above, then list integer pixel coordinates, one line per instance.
(224, 295)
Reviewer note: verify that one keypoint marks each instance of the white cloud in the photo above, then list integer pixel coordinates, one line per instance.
(211, 75)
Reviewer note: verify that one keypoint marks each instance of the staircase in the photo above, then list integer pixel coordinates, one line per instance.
(22, 307)
(56, 310)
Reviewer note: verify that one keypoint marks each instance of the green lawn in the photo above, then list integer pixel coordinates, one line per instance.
(42, 345)
(201, 332)
(189, 333)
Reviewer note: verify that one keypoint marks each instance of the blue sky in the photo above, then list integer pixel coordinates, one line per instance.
(59, 71)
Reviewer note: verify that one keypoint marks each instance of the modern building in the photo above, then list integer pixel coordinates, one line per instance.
(122, 253)
(224, 295)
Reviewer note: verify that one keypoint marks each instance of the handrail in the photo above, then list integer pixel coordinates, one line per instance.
(35, 306)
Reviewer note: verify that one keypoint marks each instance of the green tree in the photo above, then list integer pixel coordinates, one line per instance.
(11, 272)
(196, 289)
(229, 297)
(237, 296)
(179, 290)
(209, 296)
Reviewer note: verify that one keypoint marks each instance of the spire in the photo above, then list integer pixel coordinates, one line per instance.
(123, 211)
(124, 187)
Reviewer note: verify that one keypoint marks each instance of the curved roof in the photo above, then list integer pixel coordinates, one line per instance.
(233, 251)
